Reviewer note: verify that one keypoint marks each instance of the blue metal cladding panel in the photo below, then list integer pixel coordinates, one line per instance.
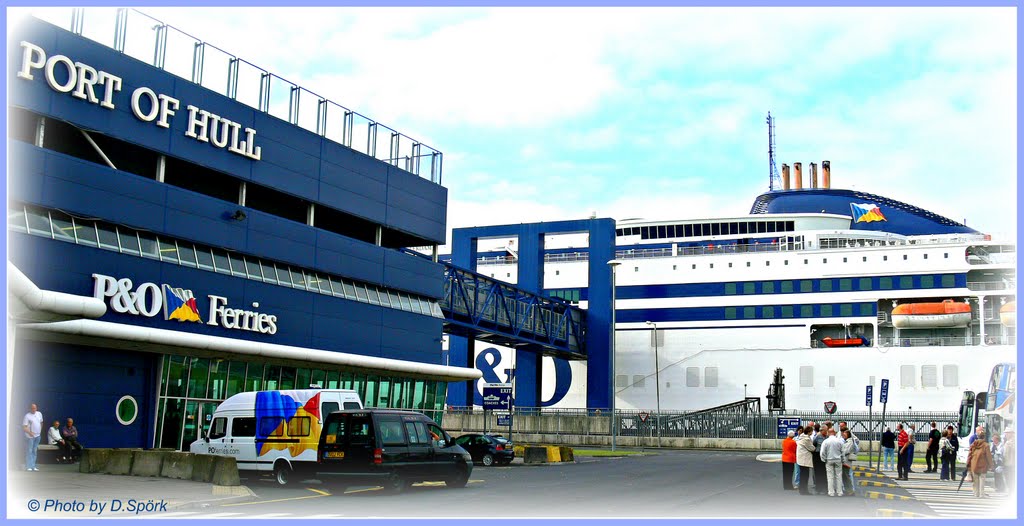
(414, 274)
(28, 164)
(305, 319)
(349, 257)
(84, 383)
(412, 337)
(281, 239)
(292, 157)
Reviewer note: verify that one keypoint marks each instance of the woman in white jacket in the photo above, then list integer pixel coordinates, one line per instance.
(805, 458)
(849, 455)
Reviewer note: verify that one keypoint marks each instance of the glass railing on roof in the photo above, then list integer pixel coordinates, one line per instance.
(147, 39)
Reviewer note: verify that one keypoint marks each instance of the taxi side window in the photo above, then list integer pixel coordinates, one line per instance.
(417, 432)
(436, 433)
(391, 433)
(335, 432)
(219, 428)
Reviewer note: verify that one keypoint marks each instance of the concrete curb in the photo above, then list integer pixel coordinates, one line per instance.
(877, 484)
(869, 475)
(222, 495)
(885, 496)
(885, 512)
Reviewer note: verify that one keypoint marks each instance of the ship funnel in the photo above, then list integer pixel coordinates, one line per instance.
(814, 175)
(798, 181)
(785, 176)
(826, 169)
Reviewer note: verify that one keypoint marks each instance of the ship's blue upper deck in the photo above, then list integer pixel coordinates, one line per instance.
(896, 217)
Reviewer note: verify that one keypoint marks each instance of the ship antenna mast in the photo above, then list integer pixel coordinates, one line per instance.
(773, 172)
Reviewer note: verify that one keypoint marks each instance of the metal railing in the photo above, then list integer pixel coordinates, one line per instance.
(990, 285)
(160, 45)
(946, 341)
(730, 421)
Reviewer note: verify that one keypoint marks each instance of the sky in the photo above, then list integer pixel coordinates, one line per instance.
(659, 113)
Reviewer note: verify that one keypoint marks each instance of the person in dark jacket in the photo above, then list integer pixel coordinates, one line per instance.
(931, 453)
(820, 476)
(955, 442)
(889, 450)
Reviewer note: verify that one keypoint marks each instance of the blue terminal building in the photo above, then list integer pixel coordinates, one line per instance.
(181, 233)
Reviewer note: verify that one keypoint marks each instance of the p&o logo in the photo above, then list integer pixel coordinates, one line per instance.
(178, 304)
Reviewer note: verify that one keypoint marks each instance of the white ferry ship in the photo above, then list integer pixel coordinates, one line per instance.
(838, 288)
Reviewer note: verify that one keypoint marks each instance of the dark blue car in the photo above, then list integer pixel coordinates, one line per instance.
(487, 449)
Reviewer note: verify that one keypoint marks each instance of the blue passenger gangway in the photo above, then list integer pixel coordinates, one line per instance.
(483, 308)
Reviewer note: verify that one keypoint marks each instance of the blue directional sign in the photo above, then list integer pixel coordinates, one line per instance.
(504, 419)
(884, 396)
(868, 396)
(497, 396)
(787, 424)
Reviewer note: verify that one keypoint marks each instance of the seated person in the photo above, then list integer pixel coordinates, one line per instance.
(70, 434)
(54, 438)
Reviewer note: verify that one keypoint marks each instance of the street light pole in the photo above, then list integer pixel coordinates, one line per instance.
(657, 381)
(614, 264)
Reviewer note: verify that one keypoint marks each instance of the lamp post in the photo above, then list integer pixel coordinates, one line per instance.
(614, 264)
(657, 381)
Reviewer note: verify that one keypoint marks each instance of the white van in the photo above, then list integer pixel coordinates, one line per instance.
(270, 431)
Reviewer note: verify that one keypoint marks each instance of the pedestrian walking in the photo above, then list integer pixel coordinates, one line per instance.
(851, 447)
(820, 477)
(805, 458)
(979, 461)
(911, 442)
(832, 456)
(32, 425)
(997, 463)
(946, 450)
(954, 441)
(931, 454)
(902, 439)
(889, 450)
(788, 460)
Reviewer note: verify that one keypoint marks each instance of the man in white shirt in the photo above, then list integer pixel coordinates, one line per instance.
(832, 456)
(32, 424)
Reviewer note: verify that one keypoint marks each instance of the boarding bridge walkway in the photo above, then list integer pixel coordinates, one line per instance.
(482, 308)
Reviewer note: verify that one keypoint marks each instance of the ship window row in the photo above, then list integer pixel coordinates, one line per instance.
(60, 226)
(929, 376)
(925, 281)
(706, 229)
(693, 379)
(67, 139)
(827, 310)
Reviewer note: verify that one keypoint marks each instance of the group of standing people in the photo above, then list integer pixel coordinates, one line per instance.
(65, 438)
(823, 452)
(999, 457)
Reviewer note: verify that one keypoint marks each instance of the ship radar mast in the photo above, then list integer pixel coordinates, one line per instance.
(773, 172)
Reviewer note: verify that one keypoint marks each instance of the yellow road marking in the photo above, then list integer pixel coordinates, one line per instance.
(318, 495)
(886, 496)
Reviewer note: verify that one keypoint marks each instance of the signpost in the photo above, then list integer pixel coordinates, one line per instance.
(498, 396)
(787, 424)
(830, 407)
(871, 423)
(883, 397)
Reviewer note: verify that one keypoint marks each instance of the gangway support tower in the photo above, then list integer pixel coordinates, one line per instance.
(530, 268)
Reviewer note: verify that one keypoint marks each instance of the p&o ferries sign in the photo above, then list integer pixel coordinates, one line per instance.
(149, 299)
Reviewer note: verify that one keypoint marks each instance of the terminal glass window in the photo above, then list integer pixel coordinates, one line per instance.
(186, 254)
(129, 242)
(107, 235)
(254, 377)
(199, 369)
(236, 379)
(218, 379)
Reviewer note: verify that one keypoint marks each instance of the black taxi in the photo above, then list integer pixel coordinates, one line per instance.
(390, 448)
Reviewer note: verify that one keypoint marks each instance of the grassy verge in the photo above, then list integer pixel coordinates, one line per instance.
(605, 453)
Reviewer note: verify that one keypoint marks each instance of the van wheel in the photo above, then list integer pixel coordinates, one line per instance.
(488, 459)
(282, 473)
(458, 481)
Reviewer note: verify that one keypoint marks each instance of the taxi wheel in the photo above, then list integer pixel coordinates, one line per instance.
(458, 481)
(487, 460)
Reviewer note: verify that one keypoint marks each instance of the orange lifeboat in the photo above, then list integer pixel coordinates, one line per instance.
(944, 314)
(1008, 314)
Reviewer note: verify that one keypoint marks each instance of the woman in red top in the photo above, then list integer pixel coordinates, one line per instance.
(788, 459)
